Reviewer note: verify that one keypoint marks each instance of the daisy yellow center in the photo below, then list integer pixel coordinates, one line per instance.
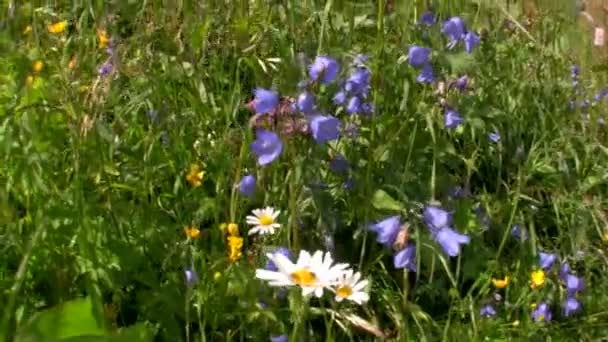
(303, 277)
(344, 291)
(266, 220)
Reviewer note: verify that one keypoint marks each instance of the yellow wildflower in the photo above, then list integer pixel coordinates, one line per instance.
(217, 276)
(37, 66)
(538, 279)
(192, 233)
(195, 175)
(233, 229)
(515, 323)
(29, 80)
(605, 236)
(58, 27)
(103, 38)
(27, 29)
(500, 283)
(235, 243)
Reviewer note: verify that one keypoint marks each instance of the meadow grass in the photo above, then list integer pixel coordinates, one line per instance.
(121, 214)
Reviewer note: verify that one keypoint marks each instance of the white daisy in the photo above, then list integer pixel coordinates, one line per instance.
(263, 221)
(312, 273)
(349, 286)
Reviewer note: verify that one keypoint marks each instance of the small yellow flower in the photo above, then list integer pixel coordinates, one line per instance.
(103, 38)
(233, 229)
(73, 62)
(192, 233)
(37, 66)
(195, 175)
(58, 27)
(29, 80)
(27, 29)
(500, 283)
(515, 323)
(605, 236)
(235, 243)
(538, 279)
(217, 276)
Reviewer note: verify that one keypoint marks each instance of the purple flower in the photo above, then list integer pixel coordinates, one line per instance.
(280, 338)
(358, 82)
(564, 270)
(354, 105)
(453, 28)
(349, 183)
(452, 119)
(546, 260)
(406, 258)
(324, 128)
(575, 71)
(340, 98)
(324, 69)
(419, 56)
(106, 68)
(574, 284)
(247, 185)
(351, 130)
(281, 250)
(367, 108)
(451, 241)
(191, 278)
(426, 75)
(458, 192)
(462, 82)
(267, 146)
(471, 40)
(572, 306)
(495, 137)
(542, 313)
(360, 60)
(339, 164)
(487, 311)
(305, 102)
(519, 233)
(427, 18)
(265, 100)
(436, 218)
(386, 230)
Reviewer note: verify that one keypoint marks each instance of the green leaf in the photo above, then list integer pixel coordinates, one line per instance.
(383, 201)
(73, 318)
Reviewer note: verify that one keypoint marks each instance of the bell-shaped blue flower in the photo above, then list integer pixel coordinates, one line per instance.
(406, 258)
(325, 128)
(267, 146)
(247, 185)
(265, 100)
(451, 241)
(324, 69)
(386, 230)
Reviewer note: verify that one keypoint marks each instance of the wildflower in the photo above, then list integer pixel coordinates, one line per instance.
(27, 29)
(453, 28)
(106, 68)
(37, 66)
(217, 276)
(436, 218)
(325, 128)
(323, 69)
(487, 311)
(235, 244)
(247, 185)
(573, 284)
(192, 232)
(546, 260)
(452, 119)
(267, 146)
(471, 40)
(519, 233)
(427, 18)
(426, 75)
(265, 100)
(500, 283)
(350, 286)
(263, 221)
(537, 279)
(386, 230)
(103, 39)
(451, 241)
(279, 338)
(29, 80)
(358, 82)
(418, 56)
(564, 269)
(305, 102)
(232, 229)
(354, 105)
(339, 98)
(571, 306)
(58, 27)
(195, 175)
(339, 164)
(360, 60)
(462, 83)
(281, 250)
(542, 313)
(312, 273)
(406, 258)
(495, 137)
(191, 278)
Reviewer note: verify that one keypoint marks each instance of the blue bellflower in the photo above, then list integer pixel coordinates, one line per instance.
(418, 56)
(546, 260)
(325, 128)
(471, 40)
(436, 218)
(324, 69)
(247, 185)
(542, 313)
(574, 284)
(386, 230)
(406, 258)
(339, 164)
(354, 105)
(571, 306)
(451, 241)
(267, 146)
(427, 18)
(487, 311)
(452, 119)
(280, 338)
(494, 137)
(265, 100)
(305, 102)
(426, 74)
(519, 233)
(191, 278)
(281, 250)
(453, 28)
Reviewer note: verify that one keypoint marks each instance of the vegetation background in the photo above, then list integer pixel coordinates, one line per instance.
(94, 196)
